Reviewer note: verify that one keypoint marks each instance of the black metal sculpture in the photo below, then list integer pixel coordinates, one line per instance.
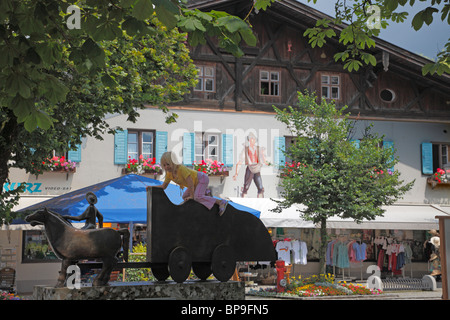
(71, 244)
(90, 214)
(181, 237)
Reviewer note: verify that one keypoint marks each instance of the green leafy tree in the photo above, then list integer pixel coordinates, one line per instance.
(153, 69)
(65, 64)
(364, 20)
(330, 174)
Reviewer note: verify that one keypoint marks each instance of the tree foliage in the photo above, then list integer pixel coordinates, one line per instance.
(364, 20)
(330, 174)
(66, 64)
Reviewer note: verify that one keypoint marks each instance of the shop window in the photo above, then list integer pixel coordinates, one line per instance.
(331, 87)
(36, 247)
(206, 79)
(435, 155)
(206, 146)
(141, 143)
(269, 83)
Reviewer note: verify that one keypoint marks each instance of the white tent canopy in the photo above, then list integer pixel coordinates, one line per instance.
(396, 217)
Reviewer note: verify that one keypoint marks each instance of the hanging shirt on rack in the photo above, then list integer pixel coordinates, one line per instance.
(360, 251)
(300, 250)
(340, 255)
(283, 249)
(329, 253)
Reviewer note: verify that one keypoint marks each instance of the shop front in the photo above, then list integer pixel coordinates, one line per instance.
(397, 243)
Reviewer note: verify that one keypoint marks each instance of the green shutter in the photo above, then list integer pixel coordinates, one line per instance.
(279, 148)
(161, 145)
(75, 155)
(390, 144)
(356, 143)
(227, 150)
(188, 148)
(427, 158)
(121, 147)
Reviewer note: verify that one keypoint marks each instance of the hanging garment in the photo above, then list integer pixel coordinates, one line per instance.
(303, 253)
(296, 251)
(408, 254)
(299, 250)
(340, 255)
(329, 253)
(283, 249)
(360, 251)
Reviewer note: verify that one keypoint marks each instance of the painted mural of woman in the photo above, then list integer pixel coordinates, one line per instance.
(254, 158)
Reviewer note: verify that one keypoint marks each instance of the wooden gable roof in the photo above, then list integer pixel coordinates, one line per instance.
(418, 97)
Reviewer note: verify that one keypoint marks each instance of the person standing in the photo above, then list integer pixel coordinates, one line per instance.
(254, 158)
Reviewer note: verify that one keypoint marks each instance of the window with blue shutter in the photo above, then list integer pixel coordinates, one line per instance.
(188, 148)
(279, 148)
(427, 158)
(161, 145)
(390, 144)
(227, 150)
(356, 143)
(120, 147)
(75, 155)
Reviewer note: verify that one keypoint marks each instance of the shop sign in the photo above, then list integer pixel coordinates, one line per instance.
(37, 187)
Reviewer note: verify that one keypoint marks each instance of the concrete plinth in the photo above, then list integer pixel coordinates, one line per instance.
(189, 290)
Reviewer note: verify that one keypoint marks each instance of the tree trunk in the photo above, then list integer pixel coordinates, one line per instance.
(323, 245)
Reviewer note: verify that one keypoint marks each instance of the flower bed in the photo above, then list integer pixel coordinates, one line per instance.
(316, 286)
(9, 296)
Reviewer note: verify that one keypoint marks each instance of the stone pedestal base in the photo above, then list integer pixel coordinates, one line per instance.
(189, 290)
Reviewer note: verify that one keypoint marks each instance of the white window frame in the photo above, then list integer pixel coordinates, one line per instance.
(326, 82)
(203, 147)
(206, 74)
(266, 76)
(140, 144)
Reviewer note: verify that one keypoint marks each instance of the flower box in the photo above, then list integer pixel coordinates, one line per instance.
(440, 177)
(211, 168)
(142, 166)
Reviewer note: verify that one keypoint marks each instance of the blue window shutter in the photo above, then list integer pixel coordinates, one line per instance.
(427, 158)
(355, 142)
(188, 148)
(227, 150)
(279, 148)
(75, 155)
(390, 144)
(161, 145)
(121, 147)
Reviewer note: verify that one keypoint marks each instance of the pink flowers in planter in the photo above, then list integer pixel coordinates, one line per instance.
(59, 164)
(143, 165)
(210, 167)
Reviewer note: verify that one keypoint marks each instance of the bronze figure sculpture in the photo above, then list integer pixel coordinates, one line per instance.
(90, 214)
(71, 245)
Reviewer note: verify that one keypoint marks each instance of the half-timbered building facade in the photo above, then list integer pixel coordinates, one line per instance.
(232, 103)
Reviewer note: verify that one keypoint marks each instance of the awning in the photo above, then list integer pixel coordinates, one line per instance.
(288, 218)
(120, 200)
(396, 217)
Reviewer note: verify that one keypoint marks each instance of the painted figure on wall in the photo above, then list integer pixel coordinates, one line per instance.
(254, 158)
(90, 214)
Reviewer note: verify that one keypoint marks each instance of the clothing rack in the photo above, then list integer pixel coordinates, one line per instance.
(343, 239)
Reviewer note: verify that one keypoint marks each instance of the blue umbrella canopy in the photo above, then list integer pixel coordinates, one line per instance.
(119, 200)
